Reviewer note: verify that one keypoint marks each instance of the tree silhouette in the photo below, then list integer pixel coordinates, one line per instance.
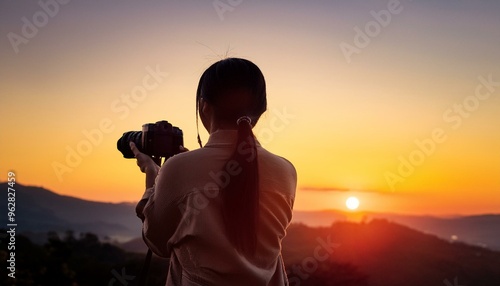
(68, 261)
(331, 273)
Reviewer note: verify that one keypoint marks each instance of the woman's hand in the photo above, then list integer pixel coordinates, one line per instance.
(146, 164)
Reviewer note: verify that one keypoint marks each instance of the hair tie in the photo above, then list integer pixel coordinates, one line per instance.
(244, 118)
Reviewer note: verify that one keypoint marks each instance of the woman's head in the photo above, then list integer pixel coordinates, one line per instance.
(229, 89)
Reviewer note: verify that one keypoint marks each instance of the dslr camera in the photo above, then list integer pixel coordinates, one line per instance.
(157, 140)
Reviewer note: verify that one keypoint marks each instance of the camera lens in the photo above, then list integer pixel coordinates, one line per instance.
(123, 143)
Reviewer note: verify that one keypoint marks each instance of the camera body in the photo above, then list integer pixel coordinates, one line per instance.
(159, 139)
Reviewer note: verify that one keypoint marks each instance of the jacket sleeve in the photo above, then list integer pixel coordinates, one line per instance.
(161, 214)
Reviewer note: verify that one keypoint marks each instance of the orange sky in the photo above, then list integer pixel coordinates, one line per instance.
(408, 122)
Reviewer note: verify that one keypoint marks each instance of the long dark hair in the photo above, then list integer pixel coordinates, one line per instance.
(237, 90)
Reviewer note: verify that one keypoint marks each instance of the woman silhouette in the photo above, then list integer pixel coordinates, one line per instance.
(219, 213)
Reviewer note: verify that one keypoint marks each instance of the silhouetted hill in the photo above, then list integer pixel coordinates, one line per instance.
(374, 252)
(390, 254)
(81, 260)
(40, 210)
(386, 253)
(481, 230)
(378, 253)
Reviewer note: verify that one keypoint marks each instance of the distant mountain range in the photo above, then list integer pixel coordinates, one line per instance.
(481, 230)
(39, 210)
(376, 250)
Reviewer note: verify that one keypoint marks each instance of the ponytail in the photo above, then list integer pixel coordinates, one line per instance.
(241, 195)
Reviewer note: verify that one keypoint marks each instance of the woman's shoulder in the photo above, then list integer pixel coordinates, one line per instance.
(198, 159)
(186, 157)
(276, 162)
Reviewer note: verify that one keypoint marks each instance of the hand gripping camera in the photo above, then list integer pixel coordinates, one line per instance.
(157, 140)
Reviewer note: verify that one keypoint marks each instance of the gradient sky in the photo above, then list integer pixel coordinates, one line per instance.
(347, 120)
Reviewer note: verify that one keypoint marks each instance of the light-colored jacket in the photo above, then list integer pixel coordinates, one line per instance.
(183, 217)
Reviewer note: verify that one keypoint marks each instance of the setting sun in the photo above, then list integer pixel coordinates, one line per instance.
(352, 203)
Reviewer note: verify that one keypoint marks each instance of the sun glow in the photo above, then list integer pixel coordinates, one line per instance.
(352, 203)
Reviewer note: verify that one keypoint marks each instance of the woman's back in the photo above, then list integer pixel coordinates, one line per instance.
(199, 249)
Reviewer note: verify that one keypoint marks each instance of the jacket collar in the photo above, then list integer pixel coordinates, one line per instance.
(226, 137)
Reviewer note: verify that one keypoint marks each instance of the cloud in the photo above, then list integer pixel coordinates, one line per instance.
(334, 189)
